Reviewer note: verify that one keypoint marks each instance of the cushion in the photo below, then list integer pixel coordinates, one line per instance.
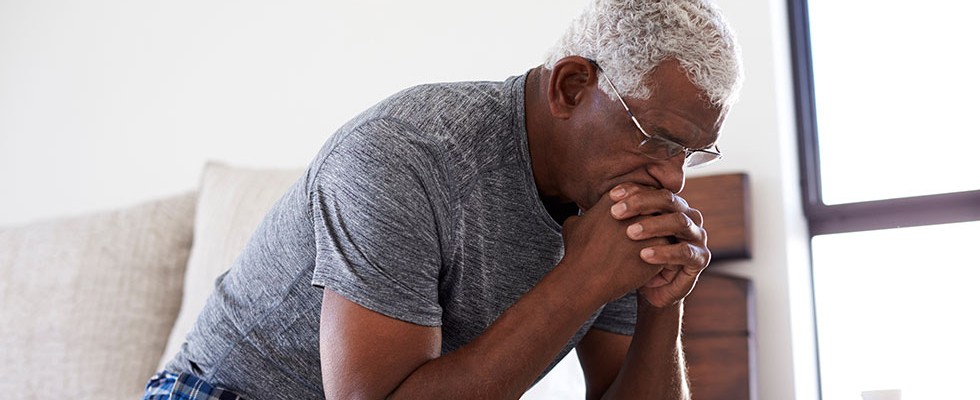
(231, 203)
(87, 302)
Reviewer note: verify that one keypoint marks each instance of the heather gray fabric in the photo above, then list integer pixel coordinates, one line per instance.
(423, 208)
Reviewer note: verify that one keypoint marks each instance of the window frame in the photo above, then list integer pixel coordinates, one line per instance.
(824, 219)
(860, 216)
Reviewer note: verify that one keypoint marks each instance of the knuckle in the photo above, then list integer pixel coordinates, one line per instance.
(701, 257)
(683, 220)
(681, 202)
(696, 216)
(690, 252)
(667, 197)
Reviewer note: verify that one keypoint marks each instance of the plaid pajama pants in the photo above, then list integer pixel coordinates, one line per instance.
(169, 386)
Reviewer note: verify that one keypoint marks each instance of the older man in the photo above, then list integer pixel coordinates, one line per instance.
(466, 236)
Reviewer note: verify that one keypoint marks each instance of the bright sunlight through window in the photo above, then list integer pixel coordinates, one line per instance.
(897, 95)
(897, 309)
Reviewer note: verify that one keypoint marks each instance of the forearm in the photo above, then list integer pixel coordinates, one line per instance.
(506, 359)
(654, 367)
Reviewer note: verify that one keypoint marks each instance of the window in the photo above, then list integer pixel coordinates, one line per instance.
(896, 311)
(886, 103)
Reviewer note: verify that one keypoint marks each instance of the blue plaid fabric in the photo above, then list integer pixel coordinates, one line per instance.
(169, 386)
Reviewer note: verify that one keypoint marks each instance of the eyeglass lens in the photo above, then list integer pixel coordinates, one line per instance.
(659, 149)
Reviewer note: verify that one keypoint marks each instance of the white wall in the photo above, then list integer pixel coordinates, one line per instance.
(106, 103)
(760, 139)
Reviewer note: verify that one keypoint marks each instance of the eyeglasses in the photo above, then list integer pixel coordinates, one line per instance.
(660, 148)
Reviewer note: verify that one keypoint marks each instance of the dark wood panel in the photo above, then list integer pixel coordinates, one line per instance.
(717, 338)
(718, 367)
(718, 304)
(724, 202)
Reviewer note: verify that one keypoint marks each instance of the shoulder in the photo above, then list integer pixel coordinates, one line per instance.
(450, 92)
(442, 106)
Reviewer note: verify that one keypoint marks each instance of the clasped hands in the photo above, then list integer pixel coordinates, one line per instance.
(640, 238)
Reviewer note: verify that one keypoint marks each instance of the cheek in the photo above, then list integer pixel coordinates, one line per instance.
(600, 162)
(598, 177)
(585, 180)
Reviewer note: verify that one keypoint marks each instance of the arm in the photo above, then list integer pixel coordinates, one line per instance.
(654, 365)
(366, 355)
(652, 360)
(601, 355)
(651, 365)
(371, 356)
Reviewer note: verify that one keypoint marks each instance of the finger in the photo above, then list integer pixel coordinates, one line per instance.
(692, 258)
(632, 200)
(666, 275)
(603, 203)
(695, 215)
(679, 226)
(665, 290)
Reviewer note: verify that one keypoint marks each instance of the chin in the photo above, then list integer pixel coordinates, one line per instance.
(592, 199)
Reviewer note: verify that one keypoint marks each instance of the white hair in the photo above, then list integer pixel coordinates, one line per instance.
(630, 38)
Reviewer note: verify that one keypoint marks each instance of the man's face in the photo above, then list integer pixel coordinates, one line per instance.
(605, 142)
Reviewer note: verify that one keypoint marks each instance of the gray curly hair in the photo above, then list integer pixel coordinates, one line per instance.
(630, 38)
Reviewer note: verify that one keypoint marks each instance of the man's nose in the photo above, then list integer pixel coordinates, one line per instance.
(670, 172)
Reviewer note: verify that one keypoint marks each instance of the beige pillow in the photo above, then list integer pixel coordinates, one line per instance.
(86, 303)
(231, 204)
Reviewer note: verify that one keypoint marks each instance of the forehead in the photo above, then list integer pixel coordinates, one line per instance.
(678, 108)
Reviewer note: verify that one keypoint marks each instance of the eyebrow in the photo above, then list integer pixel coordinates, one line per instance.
(665, 133)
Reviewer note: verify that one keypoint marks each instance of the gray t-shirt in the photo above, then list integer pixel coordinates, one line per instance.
(423, 208)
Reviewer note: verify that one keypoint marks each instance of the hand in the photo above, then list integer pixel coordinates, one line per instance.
(605, 258)
(659, 213)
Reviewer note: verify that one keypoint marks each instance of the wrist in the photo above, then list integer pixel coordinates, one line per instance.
(663, 318)
(644, 305)
(591, 291)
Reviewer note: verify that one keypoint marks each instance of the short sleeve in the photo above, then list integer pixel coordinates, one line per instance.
(618, 316)
(377, 239)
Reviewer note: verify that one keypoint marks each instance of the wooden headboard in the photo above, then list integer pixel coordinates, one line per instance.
(724, 202)
(718, 316)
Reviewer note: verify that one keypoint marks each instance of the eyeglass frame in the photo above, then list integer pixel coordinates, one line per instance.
(673, 148)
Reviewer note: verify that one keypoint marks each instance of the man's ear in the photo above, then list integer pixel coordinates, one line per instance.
(571, 79)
